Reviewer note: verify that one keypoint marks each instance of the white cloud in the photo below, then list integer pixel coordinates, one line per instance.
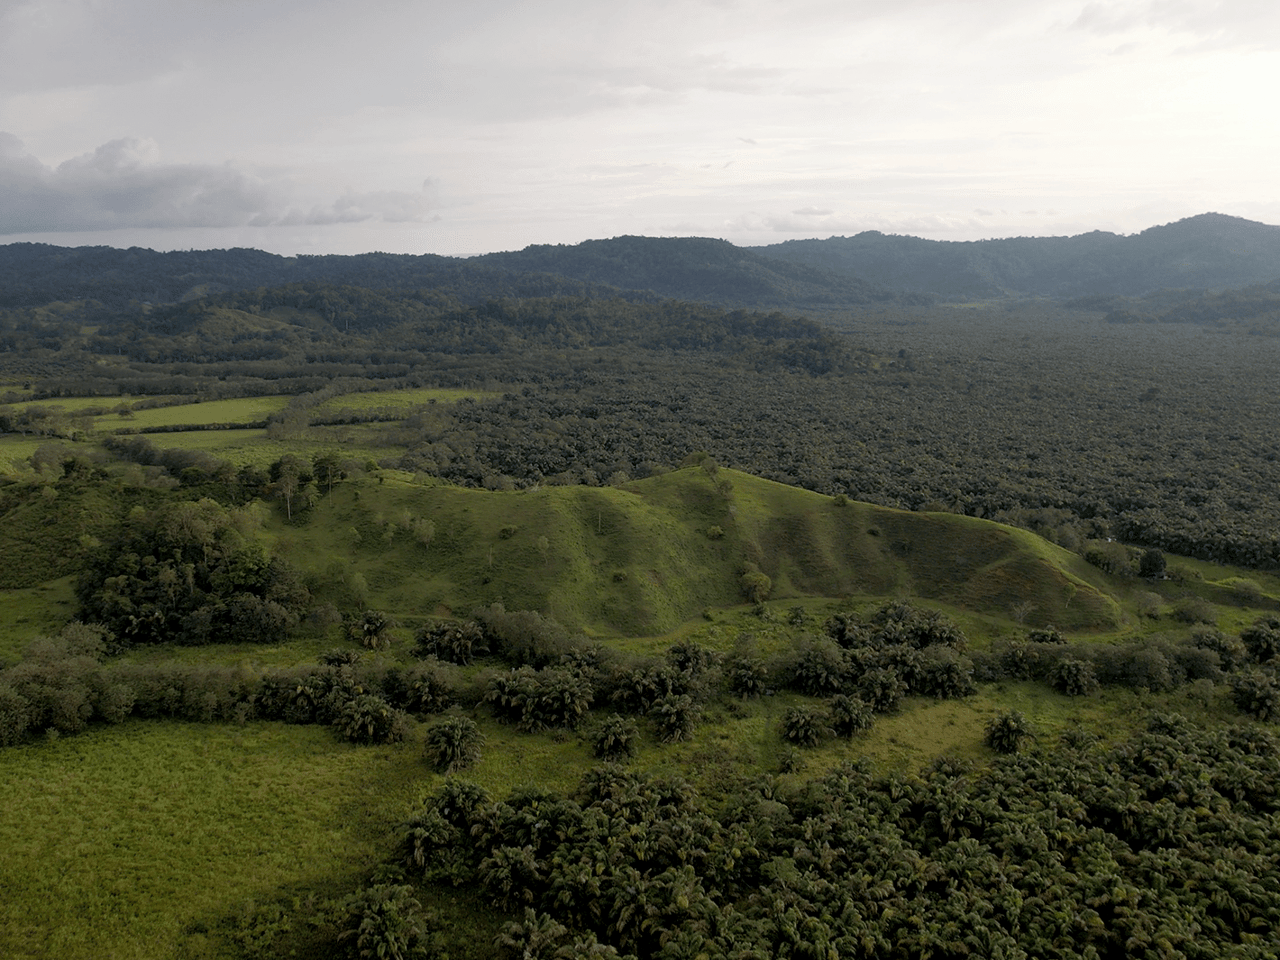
(559, 120)
(124, 184)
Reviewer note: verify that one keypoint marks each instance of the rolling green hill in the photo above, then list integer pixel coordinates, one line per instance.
(641, 558)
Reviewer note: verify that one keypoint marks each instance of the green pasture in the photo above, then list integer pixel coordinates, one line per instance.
(391, 400)
(138, 841)
(16, 451)
(240, 410)
(33, 611)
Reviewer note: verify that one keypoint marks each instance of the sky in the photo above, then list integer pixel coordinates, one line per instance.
(462, 128)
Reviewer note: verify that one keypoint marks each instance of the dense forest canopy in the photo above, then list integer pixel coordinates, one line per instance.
(1206, 251)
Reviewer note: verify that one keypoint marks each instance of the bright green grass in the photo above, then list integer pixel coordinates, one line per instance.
(397, 399)
(638, 560)
(253, 446)
(15, 450)
(31, 612)
(118, 840)
(241, 410)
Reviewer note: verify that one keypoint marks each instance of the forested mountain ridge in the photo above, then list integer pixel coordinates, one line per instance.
(696, 269)
(1209, 251)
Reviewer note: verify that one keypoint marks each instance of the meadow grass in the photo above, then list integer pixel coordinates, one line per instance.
(406, 399)
(32, 611)
(254, 446)
(125, 842)
(645, 558)
(240, 410)
(16, 450)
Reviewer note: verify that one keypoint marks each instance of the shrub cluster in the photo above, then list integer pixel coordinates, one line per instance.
(535, 700)
(899, 651)
(1077, 669)
(64, 684)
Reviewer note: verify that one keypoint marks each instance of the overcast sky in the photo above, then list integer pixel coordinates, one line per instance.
(460, 128)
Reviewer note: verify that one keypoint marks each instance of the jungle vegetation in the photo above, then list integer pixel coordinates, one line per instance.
(406, 606)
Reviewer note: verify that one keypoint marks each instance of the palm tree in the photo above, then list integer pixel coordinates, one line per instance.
(454, 744)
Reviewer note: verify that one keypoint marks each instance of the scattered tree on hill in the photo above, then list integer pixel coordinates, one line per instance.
(1007, 732)
(371, 629)
(454, 744)
(615, 739)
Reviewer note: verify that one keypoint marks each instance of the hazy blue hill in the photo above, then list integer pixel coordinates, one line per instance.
(1210, 251)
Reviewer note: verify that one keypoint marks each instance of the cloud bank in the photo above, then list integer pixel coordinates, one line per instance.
(123, 184)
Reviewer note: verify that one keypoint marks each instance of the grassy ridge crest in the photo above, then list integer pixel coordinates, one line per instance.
(641, 558)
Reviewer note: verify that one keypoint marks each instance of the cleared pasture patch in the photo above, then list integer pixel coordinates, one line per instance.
(241, 410)
(123, 841)
(406, 399)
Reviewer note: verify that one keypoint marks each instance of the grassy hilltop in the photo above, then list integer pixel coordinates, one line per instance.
(641, 558)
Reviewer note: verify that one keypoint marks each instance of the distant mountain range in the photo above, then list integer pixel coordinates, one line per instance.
(1207, 252)
(1210, 251)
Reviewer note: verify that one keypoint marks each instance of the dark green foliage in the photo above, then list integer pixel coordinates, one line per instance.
(804, 727)
(747, 676)
(1151, 563)
(1194, 610)
(451, 641)
(848, 631)
(691, 658)
(1048, 634)
(1231, 651)
(1262, 639)
(426, 689)
(849, 716)
(636, 689)
(386, 922)
(371, 629)
(340, 658)
(523, 636)
(675, 717)
(1075, 852)
(1075, 678)
(901, 623)
(882, 690)
(538, 937)
(190, 572)
(14, 716)
(541, 699)
(943, 673)
(434, 849)
(1007, 732)
(369, 719)
(615, 739)
(1257, 693)
(820, 668)
(754, 584)
(454, 744)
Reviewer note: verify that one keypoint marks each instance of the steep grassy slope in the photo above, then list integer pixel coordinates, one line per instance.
(644, 557)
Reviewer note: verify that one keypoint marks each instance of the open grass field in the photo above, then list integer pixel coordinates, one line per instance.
(391, 400)
(241, 410)
(133, 842)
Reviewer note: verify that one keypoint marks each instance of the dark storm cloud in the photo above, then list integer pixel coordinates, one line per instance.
(123, 184)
